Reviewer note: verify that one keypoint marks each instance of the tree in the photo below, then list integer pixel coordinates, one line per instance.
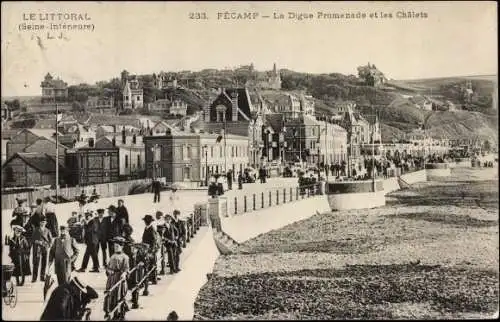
(13, 105)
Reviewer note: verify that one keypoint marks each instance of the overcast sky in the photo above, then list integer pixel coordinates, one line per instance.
(456, 38)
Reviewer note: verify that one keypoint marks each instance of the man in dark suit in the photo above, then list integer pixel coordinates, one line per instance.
(122, 212)
(150, 237)
(91, 229)
(170, 237)
(102, 233)
(114, 228)
(156, 190)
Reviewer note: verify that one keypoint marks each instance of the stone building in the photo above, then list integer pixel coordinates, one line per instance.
(186, 158)
(53, 89)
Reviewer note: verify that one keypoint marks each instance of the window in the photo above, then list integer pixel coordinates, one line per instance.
(189, 152)
(211, 151)
(138, 98)
(187, 173)
(106, 162)
(220, 152)
(126, 161)
(232, 151)
(139, 161)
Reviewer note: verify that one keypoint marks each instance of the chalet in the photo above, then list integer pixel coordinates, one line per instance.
(30, 169)
(92, 165)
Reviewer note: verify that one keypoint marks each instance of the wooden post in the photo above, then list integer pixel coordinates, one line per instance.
(291, 194)
(284, 195)
(244, 203)
(235, 205)
(277, 197)
(270, 201)
(262, 200)
(297, 193)
(254, 201)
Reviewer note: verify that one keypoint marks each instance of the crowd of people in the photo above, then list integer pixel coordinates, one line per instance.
(37, 234)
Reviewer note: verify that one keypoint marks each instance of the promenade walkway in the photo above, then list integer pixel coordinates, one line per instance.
(173, 292)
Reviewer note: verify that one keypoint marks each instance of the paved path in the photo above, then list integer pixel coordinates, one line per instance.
(30, 299)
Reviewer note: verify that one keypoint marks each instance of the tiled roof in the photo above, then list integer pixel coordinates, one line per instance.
(45, 133)
(55, 83)
(101, 119)
(40, 161)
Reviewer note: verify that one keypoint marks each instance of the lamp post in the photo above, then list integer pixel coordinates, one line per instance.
(57, 147)
(206, 164)
(225, 146)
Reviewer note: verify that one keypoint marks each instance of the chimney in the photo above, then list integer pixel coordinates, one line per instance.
(134, 139)
(114, 140)
(234, 106)
(91, 142)
(124, 138)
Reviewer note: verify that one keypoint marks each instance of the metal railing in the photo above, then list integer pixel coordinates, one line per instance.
(119, 290)
(276, 197)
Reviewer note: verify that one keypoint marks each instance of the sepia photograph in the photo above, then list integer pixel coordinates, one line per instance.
(249, 160)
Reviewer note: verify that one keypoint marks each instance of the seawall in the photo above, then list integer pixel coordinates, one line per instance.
(249, 225)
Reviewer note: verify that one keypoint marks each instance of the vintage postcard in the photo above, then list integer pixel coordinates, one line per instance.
(249, 160)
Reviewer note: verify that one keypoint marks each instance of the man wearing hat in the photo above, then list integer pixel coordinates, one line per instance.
(170, 237)
(114, 228)
(91, 237)
(63, 254)
(121, 211)
(150, 237)
(41, 239)
(19, 254)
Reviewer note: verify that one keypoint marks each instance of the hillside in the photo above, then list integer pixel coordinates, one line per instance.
(462, 124)
(394, 102)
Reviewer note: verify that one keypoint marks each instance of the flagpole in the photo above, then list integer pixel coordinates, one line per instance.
(57, 148)
(225, 147)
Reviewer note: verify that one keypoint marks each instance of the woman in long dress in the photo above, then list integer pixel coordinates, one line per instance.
(19, 252)
(118, 267)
